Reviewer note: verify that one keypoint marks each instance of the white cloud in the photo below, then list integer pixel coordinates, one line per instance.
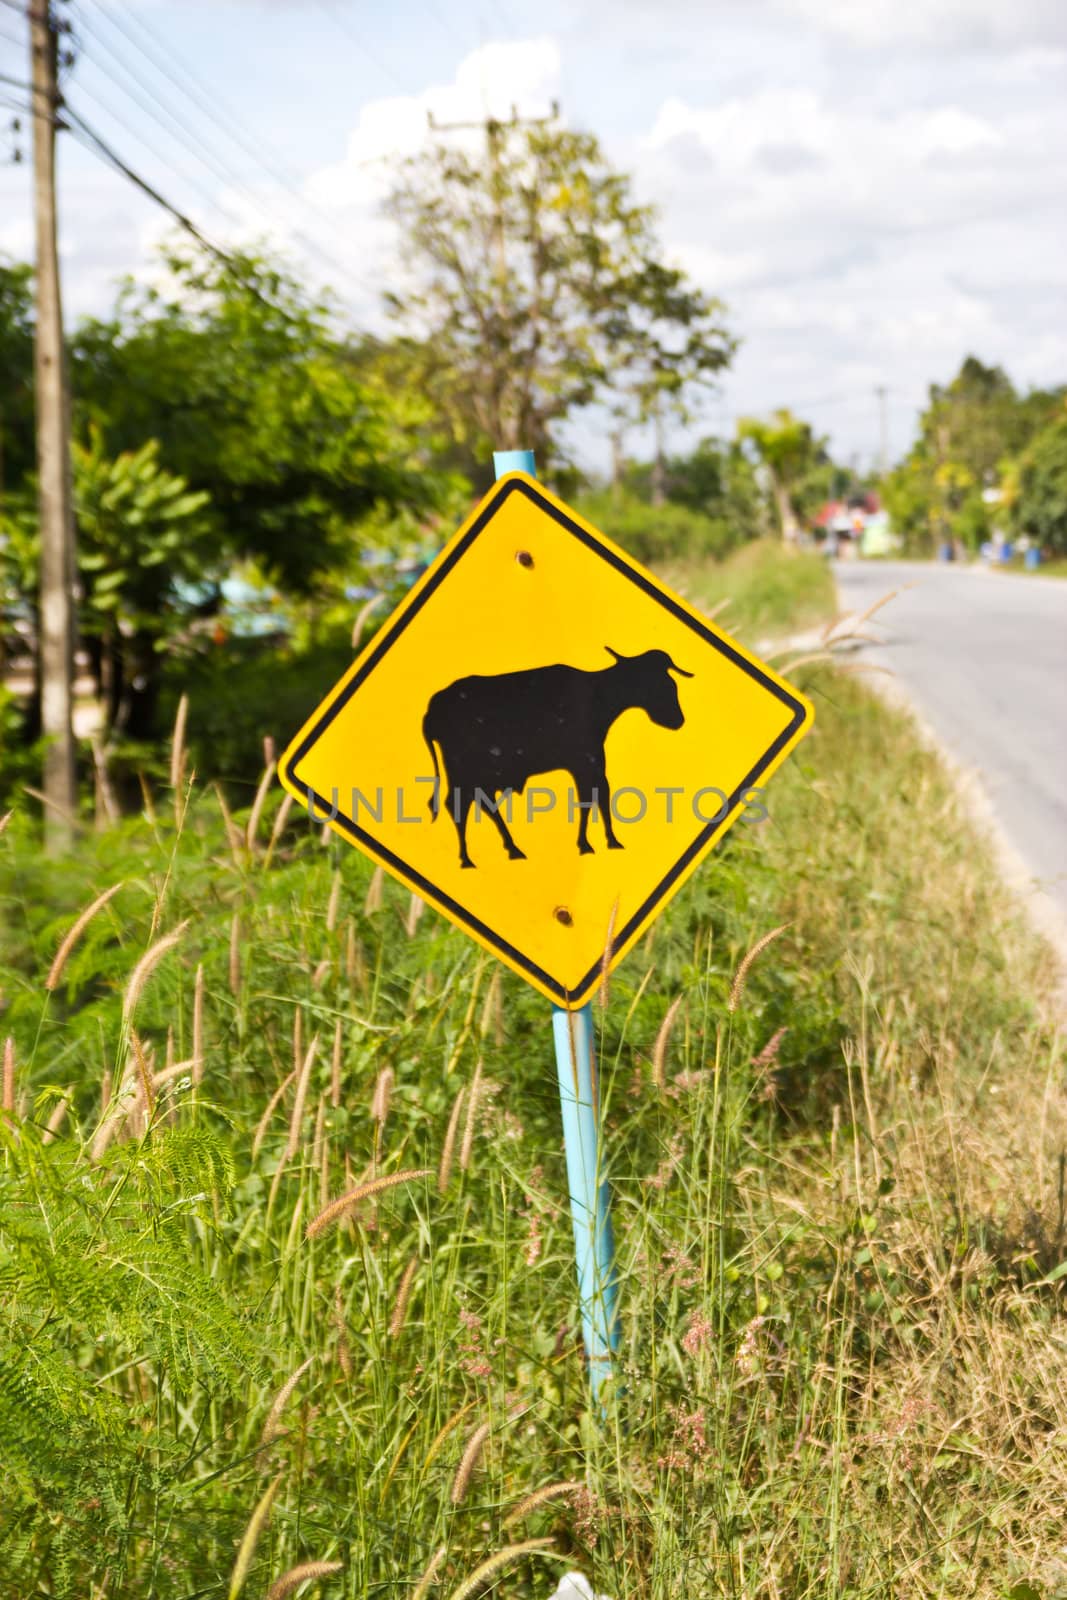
(860, 237)
(488, 83)
(944, 23)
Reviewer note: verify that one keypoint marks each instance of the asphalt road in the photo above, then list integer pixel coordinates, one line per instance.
(983, 657)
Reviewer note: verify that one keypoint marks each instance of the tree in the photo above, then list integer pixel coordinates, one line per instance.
(537, 286)
(16, 377)
(1039, 508)
(793, 458)
(715, 479)
(258, 403)
(972, 431)
(141, 532)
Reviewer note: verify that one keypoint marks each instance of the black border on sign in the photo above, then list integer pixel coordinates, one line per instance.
(389, 636)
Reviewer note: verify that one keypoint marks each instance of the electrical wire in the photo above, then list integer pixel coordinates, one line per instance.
(211, 106)
(340, 21)
(188, 138)
(87, 136)
(204, 194)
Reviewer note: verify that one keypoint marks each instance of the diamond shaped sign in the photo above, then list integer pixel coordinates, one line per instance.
(543, 741)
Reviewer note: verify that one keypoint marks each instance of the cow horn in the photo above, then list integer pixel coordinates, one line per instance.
(679, 670)
(614, 653)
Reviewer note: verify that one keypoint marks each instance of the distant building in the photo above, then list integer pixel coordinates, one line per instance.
(842, 525)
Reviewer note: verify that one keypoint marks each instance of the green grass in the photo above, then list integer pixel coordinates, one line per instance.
(839, 1209)
(762, 590)
(1048, 569)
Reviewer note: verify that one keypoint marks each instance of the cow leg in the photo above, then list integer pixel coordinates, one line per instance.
(604, 795)
(460, 813)
(587, 799)
(496, 812)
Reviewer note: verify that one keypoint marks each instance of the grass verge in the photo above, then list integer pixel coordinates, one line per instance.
(762, 590)
(839, 1197)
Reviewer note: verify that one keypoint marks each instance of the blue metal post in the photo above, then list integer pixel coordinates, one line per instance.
(594, 1245)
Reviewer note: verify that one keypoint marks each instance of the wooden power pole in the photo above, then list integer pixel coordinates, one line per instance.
(55, 642)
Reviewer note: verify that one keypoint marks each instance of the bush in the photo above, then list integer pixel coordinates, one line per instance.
(245, 692)
(659, 533)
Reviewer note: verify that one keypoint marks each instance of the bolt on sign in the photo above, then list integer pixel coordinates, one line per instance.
(543, 741)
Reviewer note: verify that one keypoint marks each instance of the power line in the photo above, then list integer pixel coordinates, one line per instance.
(90, 139)
(87, 136)
(205, 194)
(224, 173)
(212, 108)
(335, 15)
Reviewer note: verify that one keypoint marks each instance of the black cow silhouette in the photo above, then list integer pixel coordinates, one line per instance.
(496, 733)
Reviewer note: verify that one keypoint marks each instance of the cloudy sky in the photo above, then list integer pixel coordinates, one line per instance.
(875, 187)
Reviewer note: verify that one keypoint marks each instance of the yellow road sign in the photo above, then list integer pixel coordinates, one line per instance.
(543, 740)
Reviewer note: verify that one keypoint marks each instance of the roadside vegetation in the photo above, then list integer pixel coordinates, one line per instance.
(762, 590)
(838, 1166)
(287, 1297)
(988, 462)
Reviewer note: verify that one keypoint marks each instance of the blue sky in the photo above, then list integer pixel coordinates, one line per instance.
(875, 187)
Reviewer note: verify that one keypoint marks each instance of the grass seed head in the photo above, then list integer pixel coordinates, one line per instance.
(335, 1065)
(297, 1119)
(257, 805)
(663, 1039)
(403, 1295)
(448, 1149)
(333, 904)
(55, 971)
(468, 1461)
(470, 1127)
(540, 1497)
(247, 1548)
(291, 1580)
(177, 746)
(429, 1577)
(373, 902)
(7, 1100)
(737, 988)
(362, 1191)
(383, 1094)
(488, 1569)
(272, 1425)
(147, 965)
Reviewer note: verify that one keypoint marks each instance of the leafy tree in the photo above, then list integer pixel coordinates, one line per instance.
(16, 377)
(1039, 509)
(969, 435)
(256, 402)
(796, 462)
(141, 530)
(978, 419)
(716, 480)
(537, 286)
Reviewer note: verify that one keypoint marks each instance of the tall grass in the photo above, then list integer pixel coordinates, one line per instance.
(762, 589)
(312, 1317)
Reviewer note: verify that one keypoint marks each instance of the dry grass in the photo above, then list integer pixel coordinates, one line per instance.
(839, 1210)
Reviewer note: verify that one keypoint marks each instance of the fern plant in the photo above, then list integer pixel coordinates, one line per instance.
(114, 1340)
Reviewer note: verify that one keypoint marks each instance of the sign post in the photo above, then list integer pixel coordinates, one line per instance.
(594, 1242)
(544, 742)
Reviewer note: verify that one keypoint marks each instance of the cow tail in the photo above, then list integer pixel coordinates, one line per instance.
(435, 795)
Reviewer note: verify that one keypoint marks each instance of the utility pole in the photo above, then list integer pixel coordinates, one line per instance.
(495, 132)
(55, 642)
(883, 421)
